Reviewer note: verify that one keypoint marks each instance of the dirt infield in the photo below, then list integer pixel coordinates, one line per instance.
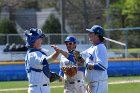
(116, 82)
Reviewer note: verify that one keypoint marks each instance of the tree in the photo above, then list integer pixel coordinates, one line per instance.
(82, 14)
(52, 25)
(125, 13)
(30, 4)
(131, 9)
(7, 27)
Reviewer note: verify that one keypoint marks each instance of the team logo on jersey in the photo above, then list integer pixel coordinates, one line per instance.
(90, 57)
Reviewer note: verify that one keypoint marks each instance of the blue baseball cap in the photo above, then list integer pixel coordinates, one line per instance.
(96, 29)
(70, 39)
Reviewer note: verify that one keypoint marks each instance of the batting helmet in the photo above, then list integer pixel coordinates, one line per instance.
(97, 29)
(32, 35)
(70, 39)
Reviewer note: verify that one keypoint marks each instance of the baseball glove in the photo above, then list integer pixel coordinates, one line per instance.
(77, 56)
(69, 71)
(54, 76)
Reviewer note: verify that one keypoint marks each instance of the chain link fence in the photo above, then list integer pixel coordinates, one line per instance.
(50, 38)
(114, 50)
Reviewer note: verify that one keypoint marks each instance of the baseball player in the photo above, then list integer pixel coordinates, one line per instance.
(72, 74)
(96, 62)
(36, 62)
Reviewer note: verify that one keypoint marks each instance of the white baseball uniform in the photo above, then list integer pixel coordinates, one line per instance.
(97, 77)
(37, 71)
(73, 84)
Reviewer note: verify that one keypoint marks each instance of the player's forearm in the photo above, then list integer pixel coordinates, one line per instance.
(52, 57)
(64, 53)
(60, 51)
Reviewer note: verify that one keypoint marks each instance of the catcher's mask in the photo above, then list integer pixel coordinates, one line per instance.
(32, 35)
(70, 39)
(96, 29)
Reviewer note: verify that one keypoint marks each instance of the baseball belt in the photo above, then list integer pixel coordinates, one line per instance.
(39, 85)
(73, 82)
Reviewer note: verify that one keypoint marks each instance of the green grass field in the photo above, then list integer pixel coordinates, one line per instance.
(113, 88)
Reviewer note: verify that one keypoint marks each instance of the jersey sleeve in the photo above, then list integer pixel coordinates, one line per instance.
(101, 59)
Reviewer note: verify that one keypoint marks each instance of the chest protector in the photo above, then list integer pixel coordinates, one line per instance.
(45, 64)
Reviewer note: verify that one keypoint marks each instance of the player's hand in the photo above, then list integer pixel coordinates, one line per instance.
(56, 48)
(90, 66)
(60, 79)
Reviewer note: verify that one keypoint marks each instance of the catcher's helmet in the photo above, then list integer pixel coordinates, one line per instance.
(32, 35)
(70, 39)
(97, 29)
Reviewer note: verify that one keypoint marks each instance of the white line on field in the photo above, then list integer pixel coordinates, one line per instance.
(16, 89)
(116, 82)
(124, 82)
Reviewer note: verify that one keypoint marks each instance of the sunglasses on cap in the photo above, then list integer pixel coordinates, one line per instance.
(68, 43)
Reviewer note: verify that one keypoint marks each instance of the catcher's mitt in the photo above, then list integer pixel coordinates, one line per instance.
(54, 76)
(77, 56)
(69, 71)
